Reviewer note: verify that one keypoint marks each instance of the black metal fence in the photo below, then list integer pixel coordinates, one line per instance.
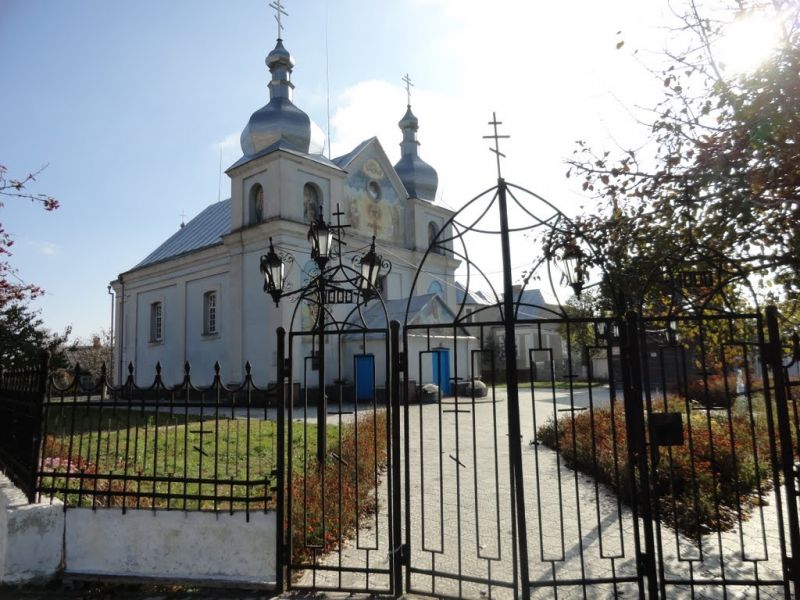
(181, 447)
(21, 400)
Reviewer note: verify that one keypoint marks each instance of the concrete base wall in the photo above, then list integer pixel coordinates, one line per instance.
(39, 540)
(171, 545)
(30, 536)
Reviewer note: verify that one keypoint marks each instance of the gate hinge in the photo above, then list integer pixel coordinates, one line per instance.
(644, 560)
(403, 553)
(287, 365)
(401, 362)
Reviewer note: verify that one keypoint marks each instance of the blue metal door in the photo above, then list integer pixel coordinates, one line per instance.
(441, 370)
(365, 377)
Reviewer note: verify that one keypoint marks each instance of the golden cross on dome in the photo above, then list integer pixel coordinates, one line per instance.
(409, 85)
(276, 4)
(496, 137)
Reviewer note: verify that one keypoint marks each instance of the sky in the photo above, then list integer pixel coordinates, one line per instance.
(130, 104)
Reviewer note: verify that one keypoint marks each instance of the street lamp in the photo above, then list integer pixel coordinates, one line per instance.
(333, 285)
(370, 268)
(572, 267)
(320, 237)
(272, 268)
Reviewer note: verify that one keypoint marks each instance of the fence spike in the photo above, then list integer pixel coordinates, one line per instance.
(187, 367)
(130, 369)
(216, 368)
(247, 368)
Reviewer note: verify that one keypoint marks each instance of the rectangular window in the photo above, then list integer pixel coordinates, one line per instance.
(156, 322)
(210, 313)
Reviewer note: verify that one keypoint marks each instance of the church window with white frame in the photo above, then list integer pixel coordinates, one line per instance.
(157, 322)
(210, 313)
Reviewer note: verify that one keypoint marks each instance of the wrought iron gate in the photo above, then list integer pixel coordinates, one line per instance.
(541, 454)
(623, 478)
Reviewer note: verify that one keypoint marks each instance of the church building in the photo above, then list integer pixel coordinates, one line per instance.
(199, 298)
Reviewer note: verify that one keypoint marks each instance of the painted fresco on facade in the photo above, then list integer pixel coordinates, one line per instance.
(373, 205)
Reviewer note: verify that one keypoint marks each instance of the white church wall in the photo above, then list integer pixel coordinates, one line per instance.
(169, 349)
(204, 348)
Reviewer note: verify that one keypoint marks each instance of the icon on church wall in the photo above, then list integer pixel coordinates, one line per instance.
(374, 190)
(310, 202)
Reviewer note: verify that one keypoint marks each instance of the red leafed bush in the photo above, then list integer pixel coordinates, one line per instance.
(328, 503)
(716, 477)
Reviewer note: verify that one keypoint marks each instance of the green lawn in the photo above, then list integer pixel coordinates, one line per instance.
(123, 453)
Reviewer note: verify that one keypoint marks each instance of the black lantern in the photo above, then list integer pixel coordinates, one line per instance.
(370, 268)
(572, 268)
(272, 268)
(320, 237)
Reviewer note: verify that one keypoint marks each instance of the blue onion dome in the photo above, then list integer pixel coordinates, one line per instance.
(418, 177)
(280, 120)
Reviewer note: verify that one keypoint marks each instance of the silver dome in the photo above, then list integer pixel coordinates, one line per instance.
(418, 177)
(280, 120)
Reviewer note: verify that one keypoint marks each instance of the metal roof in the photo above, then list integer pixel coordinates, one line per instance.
(418, 308)
(205, 230)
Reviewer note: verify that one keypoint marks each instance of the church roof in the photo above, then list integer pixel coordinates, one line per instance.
(533, 304)
(286, 147)
(427, 308)
(205, 230)
(346, 159)
(472, 297)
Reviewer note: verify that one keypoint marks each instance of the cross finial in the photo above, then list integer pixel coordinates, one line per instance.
(409, 85)
(183, 219)
(496, 137)
(276, 4)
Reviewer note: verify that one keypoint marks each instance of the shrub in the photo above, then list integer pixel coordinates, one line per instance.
(714, 390)
(717, 476)
(341, 493)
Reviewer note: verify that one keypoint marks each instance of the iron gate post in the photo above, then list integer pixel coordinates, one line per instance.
(395, 559)
(38, 415)
(791, 565)
(280, 468)
(512, 399)
(637, 453)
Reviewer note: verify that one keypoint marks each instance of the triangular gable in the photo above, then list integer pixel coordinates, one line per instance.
(372, 148)
(375, 201)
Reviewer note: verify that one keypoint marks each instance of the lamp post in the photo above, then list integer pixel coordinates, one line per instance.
(329, 279)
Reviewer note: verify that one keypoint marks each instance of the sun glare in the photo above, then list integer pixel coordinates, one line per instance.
(747, 42)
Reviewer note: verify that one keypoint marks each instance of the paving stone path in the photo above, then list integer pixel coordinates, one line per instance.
(461, 526)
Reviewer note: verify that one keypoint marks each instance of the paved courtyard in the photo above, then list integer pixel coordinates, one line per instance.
(461, 527)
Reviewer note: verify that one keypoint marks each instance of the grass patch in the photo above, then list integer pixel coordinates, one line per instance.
(144, 459)
(720, 473)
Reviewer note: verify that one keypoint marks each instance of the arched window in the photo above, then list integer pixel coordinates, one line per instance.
(210, 313)
(256, 204)
(433, 231)
(156, 322)
(312, 200)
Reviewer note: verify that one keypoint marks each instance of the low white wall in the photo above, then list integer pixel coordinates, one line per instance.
(38, 540)
(30, 536)
(171, 544)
